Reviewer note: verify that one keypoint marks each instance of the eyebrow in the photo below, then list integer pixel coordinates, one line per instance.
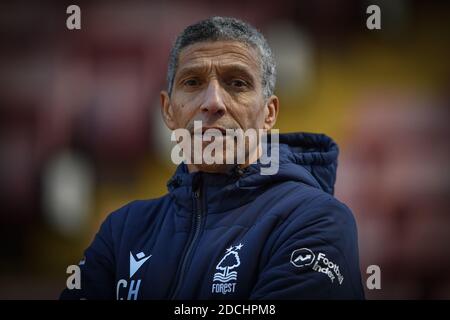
(226, 68)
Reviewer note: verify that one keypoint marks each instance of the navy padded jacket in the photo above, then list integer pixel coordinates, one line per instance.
(240, 235)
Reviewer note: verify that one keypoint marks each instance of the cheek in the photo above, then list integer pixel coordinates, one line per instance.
(254, 115)
(184, 112)
(244, 109)
(178, 112)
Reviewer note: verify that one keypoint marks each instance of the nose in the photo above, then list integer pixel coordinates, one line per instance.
(213, 101)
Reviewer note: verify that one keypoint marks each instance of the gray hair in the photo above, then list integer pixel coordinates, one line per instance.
(225, 28)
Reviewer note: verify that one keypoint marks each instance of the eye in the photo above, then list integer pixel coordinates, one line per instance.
(192, 82)
(238, 83)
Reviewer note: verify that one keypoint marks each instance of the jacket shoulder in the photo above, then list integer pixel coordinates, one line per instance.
(310, 203)
(133, 214)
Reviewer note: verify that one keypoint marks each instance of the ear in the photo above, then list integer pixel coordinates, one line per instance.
(271, 112)
(167, 111)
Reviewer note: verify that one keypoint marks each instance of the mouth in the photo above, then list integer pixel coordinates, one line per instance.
(222, 130)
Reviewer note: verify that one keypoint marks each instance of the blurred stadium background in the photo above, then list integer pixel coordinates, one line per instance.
(81, 133)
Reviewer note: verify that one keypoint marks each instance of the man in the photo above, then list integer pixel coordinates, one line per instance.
(226, 231)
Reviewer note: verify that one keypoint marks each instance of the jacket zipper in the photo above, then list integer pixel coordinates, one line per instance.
(197, 220)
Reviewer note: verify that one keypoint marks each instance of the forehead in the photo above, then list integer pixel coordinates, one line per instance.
(219, 53)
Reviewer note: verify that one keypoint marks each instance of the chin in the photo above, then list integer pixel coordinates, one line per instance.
(214, 168)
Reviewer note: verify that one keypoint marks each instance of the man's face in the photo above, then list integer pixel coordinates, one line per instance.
(218, 83)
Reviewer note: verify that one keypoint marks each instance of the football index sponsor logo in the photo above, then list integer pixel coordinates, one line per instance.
(302, 257)
(305, 257)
